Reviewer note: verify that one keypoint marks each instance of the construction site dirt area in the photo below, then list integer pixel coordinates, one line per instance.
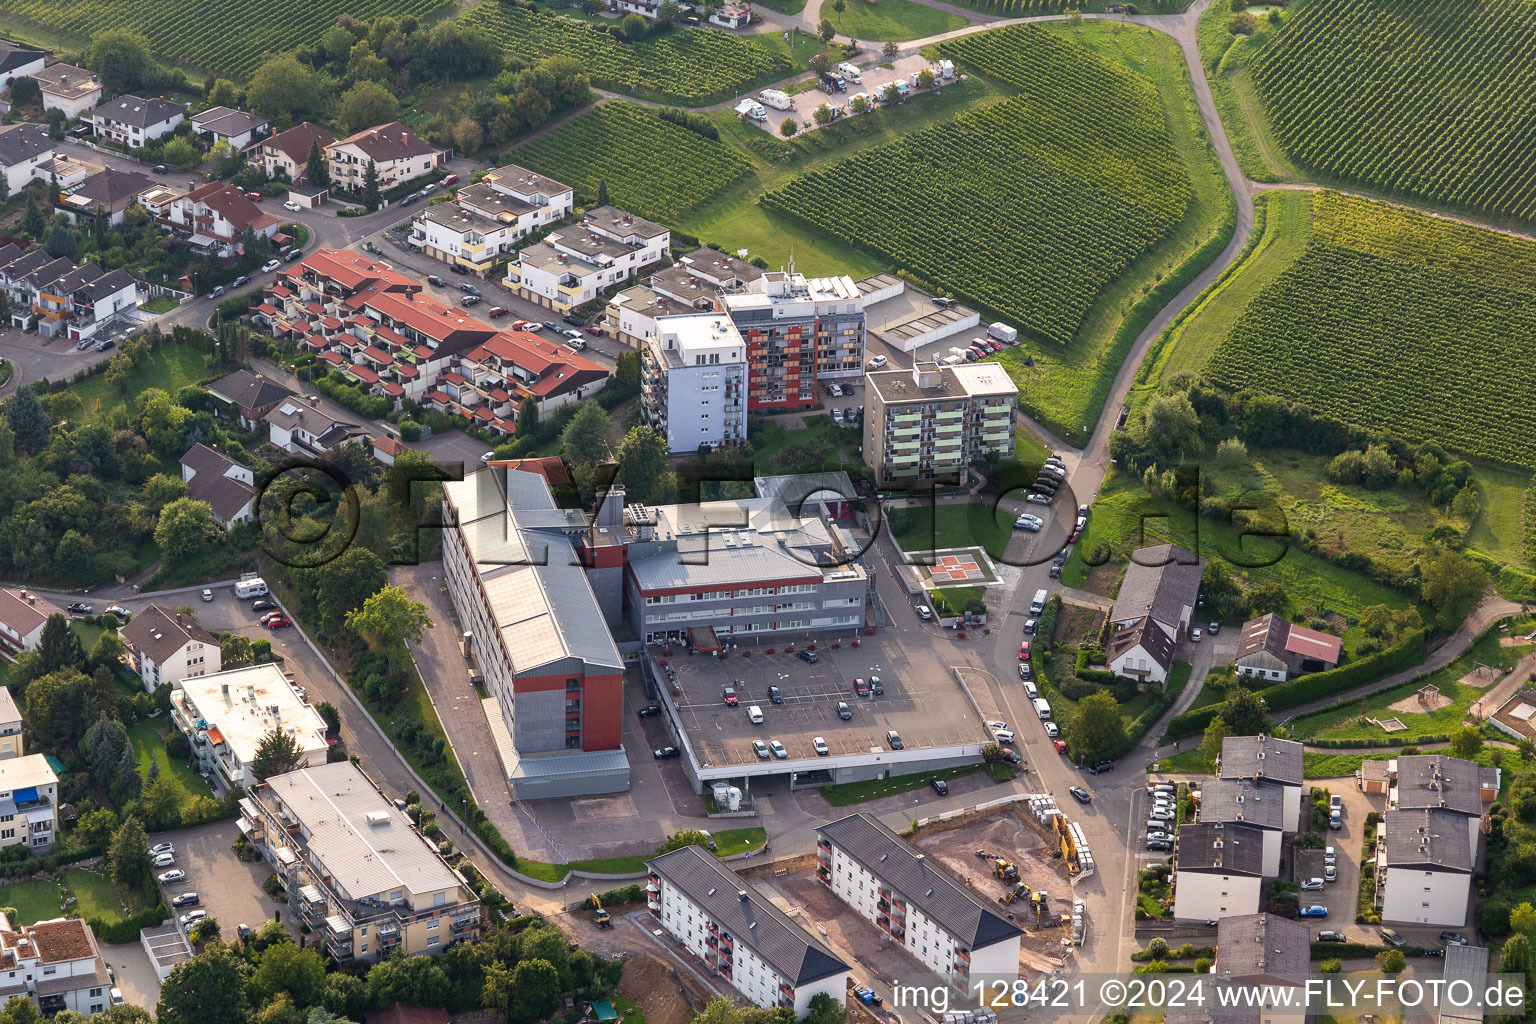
(1007, 836)
(851, 937)
(657, 989)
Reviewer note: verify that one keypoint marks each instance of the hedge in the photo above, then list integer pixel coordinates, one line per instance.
(1344, 950)
(1382, 741)
(1310, 687)
(1045, 625)
(127, 930)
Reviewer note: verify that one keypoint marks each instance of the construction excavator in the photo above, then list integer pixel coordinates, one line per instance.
(1018, 892)
(1005, 870)
(1039, 901)
(600, 916)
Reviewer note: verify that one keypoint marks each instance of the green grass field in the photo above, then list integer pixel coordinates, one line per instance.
(892, 19)
(938, 527)
(1226, 58)
(96, 897)
(171, 367)
(846, 794)
(148, 743)
(35, 900)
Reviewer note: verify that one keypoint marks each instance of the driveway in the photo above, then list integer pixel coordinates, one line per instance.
(135, 974)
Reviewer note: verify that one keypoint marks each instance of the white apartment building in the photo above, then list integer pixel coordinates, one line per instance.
(573, 265)
(1237, 802)
(164, 647)
(29, 802)
(1423, 867)
(1274, 766)
(398, 155)
(1425, 782)
(916, 903)
(57, 964)
(11, 742)
(740, 934)
(226, 715)
(17, 61)
(932, 421)
(693, 382)
(68, 88)
(1219, 873)
(132, 121)
(482, 225)
(22, 617)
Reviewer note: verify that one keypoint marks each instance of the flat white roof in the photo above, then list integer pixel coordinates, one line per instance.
(244, 704)
(982, 379)
(691, 333)
(29, 770)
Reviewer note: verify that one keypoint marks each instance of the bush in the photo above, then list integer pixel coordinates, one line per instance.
(127, 930)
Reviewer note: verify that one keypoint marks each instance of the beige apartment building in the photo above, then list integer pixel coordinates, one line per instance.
(932, 421)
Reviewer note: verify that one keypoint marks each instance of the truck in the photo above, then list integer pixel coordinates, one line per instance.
(752, 109)
(778, 99)
(250, 586)
(1003, 333)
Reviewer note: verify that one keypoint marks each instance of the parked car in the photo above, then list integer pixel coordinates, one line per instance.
(777, 750)
(760, 749)
(594, 330)
(1054, 572)
(292, 206)
(1025, 521)
(1099, 767)
(1012, 756)
(1329, 855)
(270, 265)
(894, 739)
(1196, 635)
(263, 605)
(877, 363)
(467, 288)
(173, 875)
(1159, 844)
(1391, 937)
(241, 281)
(278, 622)
(820, 746)
(1331, 937)
(1330, 873)
(1025, 672)
(1061, 747)
(1029, 626)
(729, 694)
(469, 300)
(860, 687)
(925, 613)
(254, 197)
(844, 711)
(552, 325)
(650, 711)
(79, 608)
(1159, 837)
(158, 169)
(436, 281)
(1214, 628)
(1312, 885)
(1453, 939)
(119, 611)
(408, 200)
(191, 917)
(186, 899)
(1052, 729)
(1024, 650)
(809, 657)
(939, 786)
(775, 695)
(159, 848)
(1315, 910)
(1081, 795)
(1037, 499)
(497, 312)
(296, 254)
(876, 687)
(216, 291)
(452, 179)
(666, 752)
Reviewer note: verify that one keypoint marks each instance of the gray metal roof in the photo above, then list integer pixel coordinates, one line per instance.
(1467, 964)
(1281, 760)
(919, 881)
(1161, 581)
(1436, 781)
(1221, 849)
(747, 915)
(1250, 944)
(1432, 840)
(1238, 800)
(366, 843)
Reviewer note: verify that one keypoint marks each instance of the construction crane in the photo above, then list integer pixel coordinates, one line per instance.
(1005, 870)
(601, 917)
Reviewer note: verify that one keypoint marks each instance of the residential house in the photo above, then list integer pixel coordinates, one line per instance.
(97, 298)
(249, 395)
(22, 616)
(1423, 867)
(1441, 782)
(932, 421)
(631, 314)
(491, 382)
(1161, 582)
(486, 220)
(219, 214)
(29, 797)
(357, 871)
(740, 934)
(386, 449)
(1273, 649)
(575, 265)
(108, 192)
(228, 487)
(1258, 957)
(286, 154)
(165, 647)
(132, 121)
(914, 902)
(225, 716)
(690, 293)
(1143, 652)
(69, 89)
(723, 272)
(57, 964)
(236, 127)
(1219, 872)
(70, 169)
(732, 14)
(17, 61)
(1271, 764)
(397, 154)
(1242, 801)
(11, 742)
(693, 380)
(24, 150)
(302, 429)
(57, 297)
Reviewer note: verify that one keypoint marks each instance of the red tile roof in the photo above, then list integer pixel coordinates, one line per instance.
(332, 357)
(550, 467)
(363, 374)
(295, 142)
(376, 355)
(426, 316)
(392, 389)
(387, 142)
(351, 271)
(388, 445)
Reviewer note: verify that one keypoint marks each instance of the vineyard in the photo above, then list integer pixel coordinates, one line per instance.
(228, 38)
(690, 66)
(1396, 320)
(1025, 8)
(1027, 207)
(1425, 98)
(653, 167)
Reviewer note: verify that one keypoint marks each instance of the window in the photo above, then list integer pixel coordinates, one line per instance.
(432, 925)
(434, 940)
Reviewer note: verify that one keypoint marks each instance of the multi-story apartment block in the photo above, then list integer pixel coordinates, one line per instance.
(535, 631)
(483, 225)
(740, 934)
(1273, 766)
(1233, 801)
(693, 382)
(1427, 782)
(68, 88)
(11, 742)
(574, 265)
(1258, 957)
(57, 964)
(57, 297)
(932, 421)
(225, 715)
(631, 314)
(355, 867)
(287, 152)
(489, 384)
(166, 647)
(29, 802)
(132, 121)
(398, 155)
(1220, 871)
(1423, 866)
(22, 617)
(916, 903)
(797, 329)
(720, 271)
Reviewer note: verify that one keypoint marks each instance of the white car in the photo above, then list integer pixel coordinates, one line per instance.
(1003, 736)
(1162, 814)
(487, 457)
(996, 725)
(820, 746)
(1051, 730)
(925, 613)
(1196, 636)
(159, 848)
(1154, 837)
(164, 860)
(1329, 856)
(207, 594)
(191, 917)
(877, 363)
(835, 389)
(1312, 885)
(292, 206)
(1028, 522)
(1330, 873)
(174, 875)
(270, 265)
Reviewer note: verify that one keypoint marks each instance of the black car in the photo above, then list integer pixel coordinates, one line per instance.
(458, 268)
(241, 281)
(408, 200)
(1159, 844)
(1012, 756)
(79, 608)
(650, 711)
(666, 752)
(775, 695)
(469, 300)
(1101, 766)
(1029, 626)
(436, 281)
(876, 687)
(552, 325)
(186, 899)
(1061, 558)
(1081, 795)
(263, 605)
(939, 786)
(574, 320)
(466, 287)
(809, 657)
(844, 711)
(1055, 572)
(296, 254)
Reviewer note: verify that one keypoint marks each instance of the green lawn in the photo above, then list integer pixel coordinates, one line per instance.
(1330, 766)
(937, 527)
(780, 447)
(1188, 762)
(96, 897)
(161, 304)
(1242, 112)
(892, 19)
(35, 900)
(148, 744)
(727, 843)
(87, 633)
(171, 367)
(846, 794)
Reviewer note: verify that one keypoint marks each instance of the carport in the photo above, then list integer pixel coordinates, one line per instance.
(166, 947)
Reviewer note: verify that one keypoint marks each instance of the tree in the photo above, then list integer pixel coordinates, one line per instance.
(1095, 729)
(121, 57)
(1215, 732)
(316, 172)
(822, 115)
(1377, 466)
(33, 221)
(371, 198)
(527, 417)
(278, 753)
(468, 136)
(345, 996)
(162, 489)
(824, 31)
(413, 980)
(62, 240)
(788, 127)
(1453, 584)
(533, 106)
(1522, 919)
(1171, 426)
(925, 79)
(642, 458)
(859, 104)
(344, 583)
(890, 50)
(59, 645)
(94, 830)
(283, 89)
(585, 438)
(602, 192)
(181, 153)
(1391, 961)
(285, 968)
(535, 991)
(58, 708)
(20, 1010)
(365, 105)
(823, 1009)
(205, 931)
(185, 529)
(392, 620)
(28, 423)
(819, 63)
(1466, 742)
(224, 93)
(26, 92)
(1245, 712)
(207, 989)
(128, 853)
(108, 754)
(162, 799)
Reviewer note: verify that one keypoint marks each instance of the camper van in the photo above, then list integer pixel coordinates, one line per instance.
(252, 586)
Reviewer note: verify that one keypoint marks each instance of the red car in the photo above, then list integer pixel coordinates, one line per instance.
(1024, 651)
(452, 179)
(278, 622)
(253, 196)
(1061, 746)
(731, 700)
(593, 330)
(496, 312)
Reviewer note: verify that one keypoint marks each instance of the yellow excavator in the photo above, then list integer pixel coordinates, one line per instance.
(1005, 870)
(1039, 900)
(601, 917)
(1018, 892)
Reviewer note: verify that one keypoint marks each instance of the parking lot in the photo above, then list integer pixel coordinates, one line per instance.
(229, 889)
(922, 701)
(875, 77)
(1338, 896)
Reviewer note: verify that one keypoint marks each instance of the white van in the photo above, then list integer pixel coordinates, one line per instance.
(1043, 709)
(1038, 604)
(850, 72)
(254, 587)
(755, 715)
